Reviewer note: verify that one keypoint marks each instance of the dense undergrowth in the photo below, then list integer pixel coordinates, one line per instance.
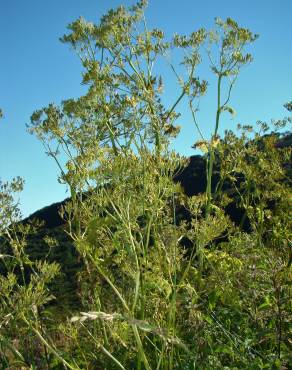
(144, 272)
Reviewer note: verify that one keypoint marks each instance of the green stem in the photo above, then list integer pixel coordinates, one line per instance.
(176, 103)
(126, 307)
(50, 348)
(140, 347)
(211, 150)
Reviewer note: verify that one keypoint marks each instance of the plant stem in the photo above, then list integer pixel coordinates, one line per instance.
(211, 150)
(51, 349)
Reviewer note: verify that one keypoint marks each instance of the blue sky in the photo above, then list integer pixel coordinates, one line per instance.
(36, 69)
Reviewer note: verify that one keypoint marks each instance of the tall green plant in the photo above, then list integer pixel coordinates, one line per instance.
(148, 300)
(231, 41)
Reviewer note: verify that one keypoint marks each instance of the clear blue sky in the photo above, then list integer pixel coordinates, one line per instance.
(36, 69)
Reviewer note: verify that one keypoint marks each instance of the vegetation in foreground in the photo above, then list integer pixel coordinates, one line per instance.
(162, 280)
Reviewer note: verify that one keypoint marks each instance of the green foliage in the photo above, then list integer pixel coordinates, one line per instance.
(146, 300)
(9, 212)
(23, 283)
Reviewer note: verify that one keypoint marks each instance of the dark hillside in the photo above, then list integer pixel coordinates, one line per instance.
(49, 215)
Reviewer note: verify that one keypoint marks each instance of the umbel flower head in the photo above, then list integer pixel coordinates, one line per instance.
(205, 146)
